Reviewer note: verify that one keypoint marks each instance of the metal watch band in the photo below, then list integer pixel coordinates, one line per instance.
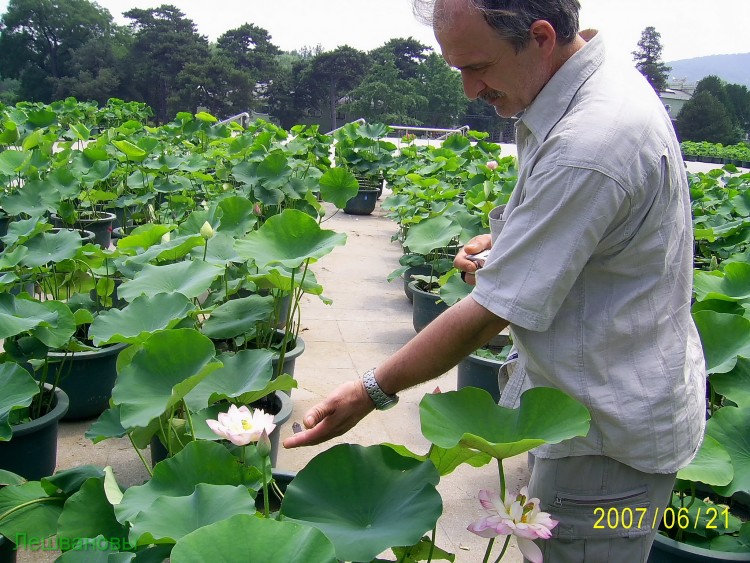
(381, 399)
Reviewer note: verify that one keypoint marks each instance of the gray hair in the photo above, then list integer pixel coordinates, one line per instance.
(511, 19)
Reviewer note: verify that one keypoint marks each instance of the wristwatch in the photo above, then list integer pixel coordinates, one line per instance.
(381, 399)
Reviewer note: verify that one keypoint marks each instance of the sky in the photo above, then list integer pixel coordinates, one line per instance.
(688, 28)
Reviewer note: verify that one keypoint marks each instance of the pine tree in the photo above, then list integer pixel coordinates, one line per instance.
(648, 59)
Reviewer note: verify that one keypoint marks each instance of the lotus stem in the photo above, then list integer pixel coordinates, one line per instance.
(432, 545)
(140, 455)
(265, 488)
(505, 548)
(487, 552)
(502, 479)
(189, 418)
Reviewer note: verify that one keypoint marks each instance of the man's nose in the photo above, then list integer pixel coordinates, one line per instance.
(472, 85)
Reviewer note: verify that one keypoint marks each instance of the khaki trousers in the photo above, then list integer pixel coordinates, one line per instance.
(608, 512)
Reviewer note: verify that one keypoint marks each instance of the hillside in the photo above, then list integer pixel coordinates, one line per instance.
(735, 69)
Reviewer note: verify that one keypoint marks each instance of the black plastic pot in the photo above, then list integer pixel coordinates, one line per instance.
(423, 270)
(87, 378)
(7, 551)
(426, 307)
(100, 224)
(475, 371)
(667, 550)
(32, 451)
(363, 203)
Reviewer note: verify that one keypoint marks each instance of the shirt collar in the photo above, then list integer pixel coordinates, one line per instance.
(554, 99)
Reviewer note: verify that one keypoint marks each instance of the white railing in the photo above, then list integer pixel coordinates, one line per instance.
(243, 118)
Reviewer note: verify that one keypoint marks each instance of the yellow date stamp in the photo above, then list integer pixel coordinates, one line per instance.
(709, 518)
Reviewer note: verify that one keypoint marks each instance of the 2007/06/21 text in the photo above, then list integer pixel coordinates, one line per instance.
(629, 518)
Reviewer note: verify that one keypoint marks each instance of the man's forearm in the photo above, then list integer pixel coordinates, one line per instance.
(459, 331)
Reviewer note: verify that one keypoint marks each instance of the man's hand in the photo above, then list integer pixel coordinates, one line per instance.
(338, 413)
(474, 246)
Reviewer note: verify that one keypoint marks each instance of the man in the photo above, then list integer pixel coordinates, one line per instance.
(591, 265)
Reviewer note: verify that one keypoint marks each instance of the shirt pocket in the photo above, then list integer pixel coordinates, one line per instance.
(497, 222)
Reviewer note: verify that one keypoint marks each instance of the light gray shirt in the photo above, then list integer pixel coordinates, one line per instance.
(592, 266)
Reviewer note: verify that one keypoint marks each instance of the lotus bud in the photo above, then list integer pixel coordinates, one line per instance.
(166, 237)
(264, 445)
(226, 186)
(207, 231)
(257, 210)
(492, 165)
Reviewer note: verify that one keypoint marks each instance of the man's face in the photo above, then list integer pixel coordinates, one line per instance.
(490, 67)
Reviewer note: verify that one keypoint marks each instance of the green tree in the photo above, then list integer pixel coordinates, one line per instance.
(287, 99)
(99, 70)
(648, 59)
(249, 47)
(406, 54)
(164, 42)
(329, 77)
(738, 99)
(442, 89)
(216, 85)
(705, 118)
(384, 96)
(38, 39)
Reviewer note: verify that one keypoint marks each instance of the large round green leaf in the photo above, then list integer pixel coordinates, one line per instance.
(51, 322)
(51, 248)
(382, 500)
(144, 316)
(337, 186)
(472, 418)
(288, 239)
(734, 385)
(191, 278)
(198, 462)
(254, 540)
(236, 216)
(729, 426)
(431, 234)
(733, 284)
(243, 372)
(167, 366)
(35, 199)
(170, 518)
(41, 517)
(19, 389)
(724, 337)
(88, 513)
(712, 465)
(238, 317)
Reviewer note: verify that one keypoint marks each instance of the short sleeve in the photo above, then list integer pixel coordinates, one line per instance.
(546, 241)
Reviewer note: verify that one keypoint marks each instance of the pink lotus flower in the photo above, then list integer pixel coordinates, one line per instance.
(492, 165)
(518, 515)
(240, 426)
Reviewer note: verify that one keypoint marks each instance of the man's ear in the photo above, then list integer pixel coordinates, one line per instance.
(543, 35)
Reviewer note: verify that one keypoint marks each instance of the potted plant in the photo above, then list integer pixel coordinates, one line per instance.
(360, 149)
